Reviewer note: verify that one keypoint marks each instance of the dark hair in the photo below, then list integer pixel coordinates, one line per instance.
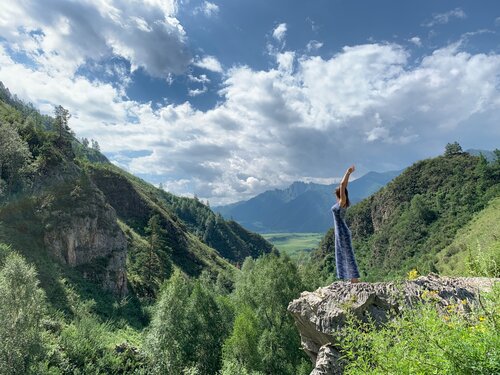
(337, 193)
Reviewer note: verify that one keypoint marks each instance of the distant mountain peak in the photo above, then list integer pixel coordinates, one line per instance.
(300, 207)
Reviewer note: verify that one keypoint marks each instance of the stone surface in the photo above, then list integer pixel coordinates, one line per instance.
(82, 231)
(320, 313)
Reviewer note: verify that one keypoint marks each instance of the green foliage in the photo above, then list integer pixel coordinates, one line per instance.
(156, 263)
(22, 308)
(264, 337)
(424, 341)
(188, 328)
(15, 160)
(418, 214)
(475, 250)
(452, 149)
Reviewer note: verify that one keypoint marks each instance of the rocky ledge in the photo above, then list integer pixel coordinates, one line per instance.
(320, 313)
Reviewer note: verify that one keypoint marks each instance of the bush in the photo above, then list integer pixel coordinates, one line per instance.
(22, 307)
(423, 341)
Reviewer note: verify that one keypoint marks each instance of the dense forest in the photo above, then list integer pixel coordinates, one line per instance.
(102, 273)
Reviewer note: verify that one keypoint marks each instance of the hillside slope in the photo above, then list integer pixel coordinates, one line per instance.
(476, 246)
(78, 217)
(302, 207)
(418, 214)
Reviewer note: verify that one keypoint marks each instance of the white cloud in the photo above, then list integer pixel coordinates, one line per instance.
(210, 63)
(62, 35)
(444, 18)
(285, 61)
(313, 45)
(306, 118)
(279, 32)
(497, 21)
(208, 9)
(200, 79)
(196, 92)
(416, 40)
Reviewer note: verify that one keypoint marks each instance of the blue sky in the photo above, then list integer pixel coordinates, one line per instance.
(226, 99)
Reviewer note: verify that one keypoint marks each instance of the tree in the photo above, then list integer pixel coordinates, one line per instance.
(61, 117)
(187, 329)
(158, 264)
(85, 142)
(22, 306)
(95, 145)
(452, 149)
(264, 289)
(15, 159)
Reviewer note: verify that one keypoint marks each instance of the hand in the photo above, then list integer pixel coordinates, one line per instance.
(351, 169)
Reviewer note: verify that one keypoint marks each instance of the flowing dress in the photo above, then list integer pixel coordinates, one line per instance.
(345, 263)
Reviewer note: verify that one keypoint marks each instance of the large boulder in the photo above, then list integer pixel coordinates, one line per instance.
(320, 313)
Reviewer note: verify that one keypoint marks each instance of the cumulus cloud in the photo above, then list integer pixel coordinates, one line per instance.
(443, 18)
(279, 32)
(416, 40)
(61, 35)
(207, 8)
(306, 118)
(209, 63)
(313, 45)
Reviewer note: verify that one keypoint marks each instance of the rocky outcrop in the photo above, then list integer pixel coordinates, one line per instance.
(320, 313)
(81, 230)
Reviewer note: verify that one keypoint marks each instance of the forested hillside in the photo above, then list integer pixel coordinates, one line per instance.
(60, 196)
(418, 214)
(112, 275)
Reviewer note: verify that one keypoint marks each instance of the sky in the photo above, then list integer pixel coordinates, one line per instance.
(225, 99)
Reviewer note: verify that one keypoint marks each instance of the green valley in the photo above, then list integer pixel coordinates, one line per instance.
(294, 244)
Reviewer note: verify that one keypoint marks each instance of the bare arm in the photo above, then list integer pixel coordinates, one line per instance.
(343, 185)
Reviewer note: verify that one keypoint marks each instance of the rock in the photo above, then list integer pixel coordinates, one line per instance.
(320, 313)
(81, 230)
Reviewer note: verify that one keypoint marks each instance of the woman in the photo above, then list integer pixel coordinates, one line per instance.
(344, 254)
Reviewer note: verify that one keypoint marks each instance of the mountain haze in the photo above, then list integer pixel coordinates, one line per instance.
(302, 207)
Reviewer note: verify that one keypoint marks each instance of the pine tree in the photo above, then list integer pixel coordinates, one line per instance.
(158, 265)
(61, 117)
(453, 149)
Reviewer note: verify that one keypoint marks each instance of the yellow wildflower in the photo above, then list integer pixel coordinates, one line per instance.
(413, 274)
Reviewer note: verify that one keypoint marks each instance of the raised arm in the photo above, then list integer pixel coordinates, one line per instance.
(343, 185)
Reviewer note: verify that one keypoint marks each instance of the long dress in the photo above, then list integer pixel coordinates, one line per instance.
(345, 262)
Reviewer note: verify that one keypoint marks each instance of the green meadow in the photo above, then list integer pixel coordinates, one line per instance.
(294, 244)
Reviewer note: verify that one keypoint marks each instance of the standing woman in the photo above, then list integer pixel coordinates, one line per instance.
(344, 254)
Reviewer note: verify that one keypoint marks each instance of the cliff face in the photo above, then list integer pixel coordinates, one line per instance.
(81, 230)
(320, 313)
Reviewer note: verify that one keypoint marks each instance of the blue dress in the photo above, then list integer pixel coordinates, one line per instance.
(344, 254)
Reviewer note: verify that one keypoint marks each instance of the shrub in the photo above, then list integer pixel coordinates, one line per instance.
(22, 307)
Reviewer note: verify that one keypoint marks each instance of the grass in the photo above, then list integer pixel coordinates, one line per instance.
(479, 239)
(294, 244)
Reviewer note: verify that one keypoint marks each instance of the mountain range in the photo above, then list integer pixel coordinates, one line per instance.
(302, 207)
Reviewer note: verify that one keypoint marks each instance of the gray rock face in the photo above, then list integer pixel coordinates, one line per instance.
(320, 313)
(85, 234)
